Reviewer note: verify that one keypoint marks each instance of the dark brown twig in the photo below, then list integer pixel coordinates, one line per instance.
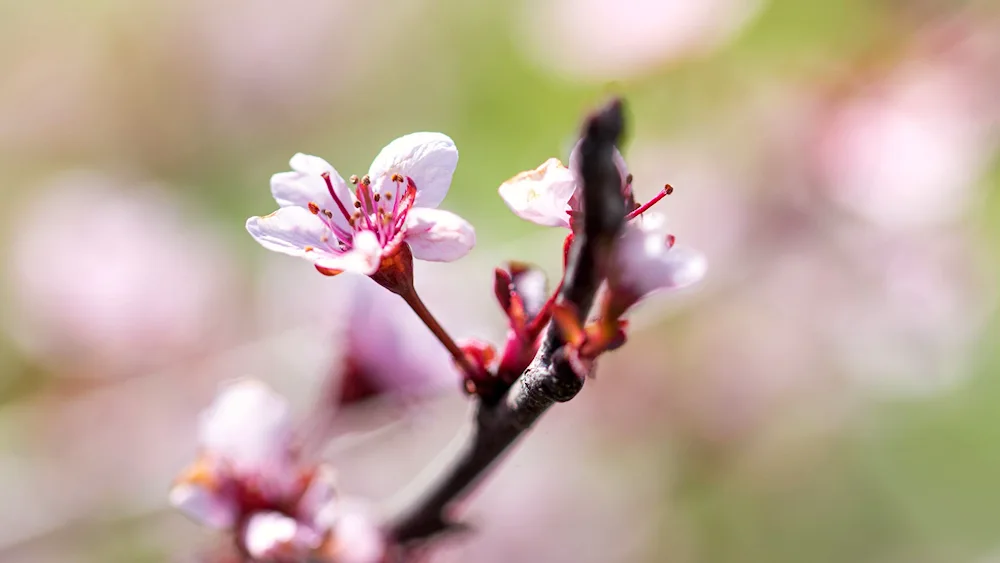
(550, 378)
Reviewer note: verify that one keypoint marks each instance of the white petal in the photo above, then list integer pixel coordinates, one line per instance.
(429, 158)
(678, 267)
(203, 506)
(289, 230)
(249, 426)
(541, 195)
(364, 258)
(438, 235)
(356, 537)
(274, 536)
(645, 262)
(314, 165)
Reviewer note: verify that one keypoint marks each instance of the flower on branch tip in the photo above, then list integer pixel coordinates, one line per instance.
(250, 480)
(389, 218)
(550, 194)
(645, 260)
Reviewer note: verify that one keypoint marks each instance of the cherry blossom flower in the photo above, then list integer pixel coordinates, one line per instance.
(548, 195)
(378, 229)
(249, 479)
(645, 260)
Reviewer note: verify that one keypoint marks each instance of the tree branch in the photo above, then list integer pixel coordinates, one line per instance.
(550, 378)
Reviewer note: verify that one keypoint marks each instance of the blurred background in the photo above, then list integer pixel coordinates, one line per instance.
(828, 394)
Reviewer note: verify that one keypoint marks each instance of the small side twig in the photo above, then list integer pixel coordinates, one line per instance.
(550, 378)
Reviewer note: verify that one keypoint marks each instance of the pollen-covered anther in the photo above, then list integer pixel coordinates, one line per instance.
(396, 177)
(377, 197)
(328, 213)
(308, 248)
(313, 208)
(668, 189)
(357, 204)
(366, 180)
(354, 179)
(628, 179)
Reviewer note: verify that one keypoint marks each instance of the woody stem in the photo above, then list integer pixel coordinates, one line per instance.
(415, 303)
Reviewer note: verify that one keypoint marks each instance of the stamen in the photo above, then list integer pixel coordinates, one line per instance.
(354, 179)
(309, 248)
(388, 195)
(313, 208)
(397, 178)
(366, 180)
(357, 204)
(628, 179)
(377, 198)
(328, 213)
(667, 190)
(333, 194)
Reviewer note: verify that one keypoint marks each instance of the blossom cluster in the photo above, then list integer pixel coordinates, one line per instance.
(256, 475)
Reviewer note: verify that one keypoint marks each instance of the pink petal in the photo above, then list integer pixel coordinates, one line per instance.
(646, 262)
(429, 158)
(364, 258)
(541, 195)
(289, 230)
(203, 505)
(249, 427)
(437, 235)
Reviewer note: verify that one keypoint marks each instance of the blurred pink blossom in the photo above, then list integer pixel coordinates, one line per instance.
(250, 479)
(609, 40)
(908, 149)
(104, 282)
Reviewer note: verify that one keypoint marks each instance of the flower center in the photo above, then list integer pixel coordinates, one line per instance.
(382, 213)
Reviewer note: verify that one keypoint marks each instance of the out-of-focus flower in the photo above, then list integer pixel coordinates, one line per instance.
(389, 351)
(375, 230)
(906, 151)
(107, 282)
(249, 479)
(645, 260)
(908, 328)
(609, 39)
(549, 195)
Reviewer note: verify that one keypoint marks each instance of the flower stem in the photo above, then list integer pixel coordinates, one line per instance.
(415, 303)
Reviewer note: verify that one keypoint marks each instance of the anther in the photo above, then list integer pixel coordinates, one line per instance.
(313, 208)
(328, 213)
(668, 189)
(366, 180)
(354, 179)
(388, 195)
(309, 249)
(628, 179)
(397, 177)
(357, 204)
(377, 197)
